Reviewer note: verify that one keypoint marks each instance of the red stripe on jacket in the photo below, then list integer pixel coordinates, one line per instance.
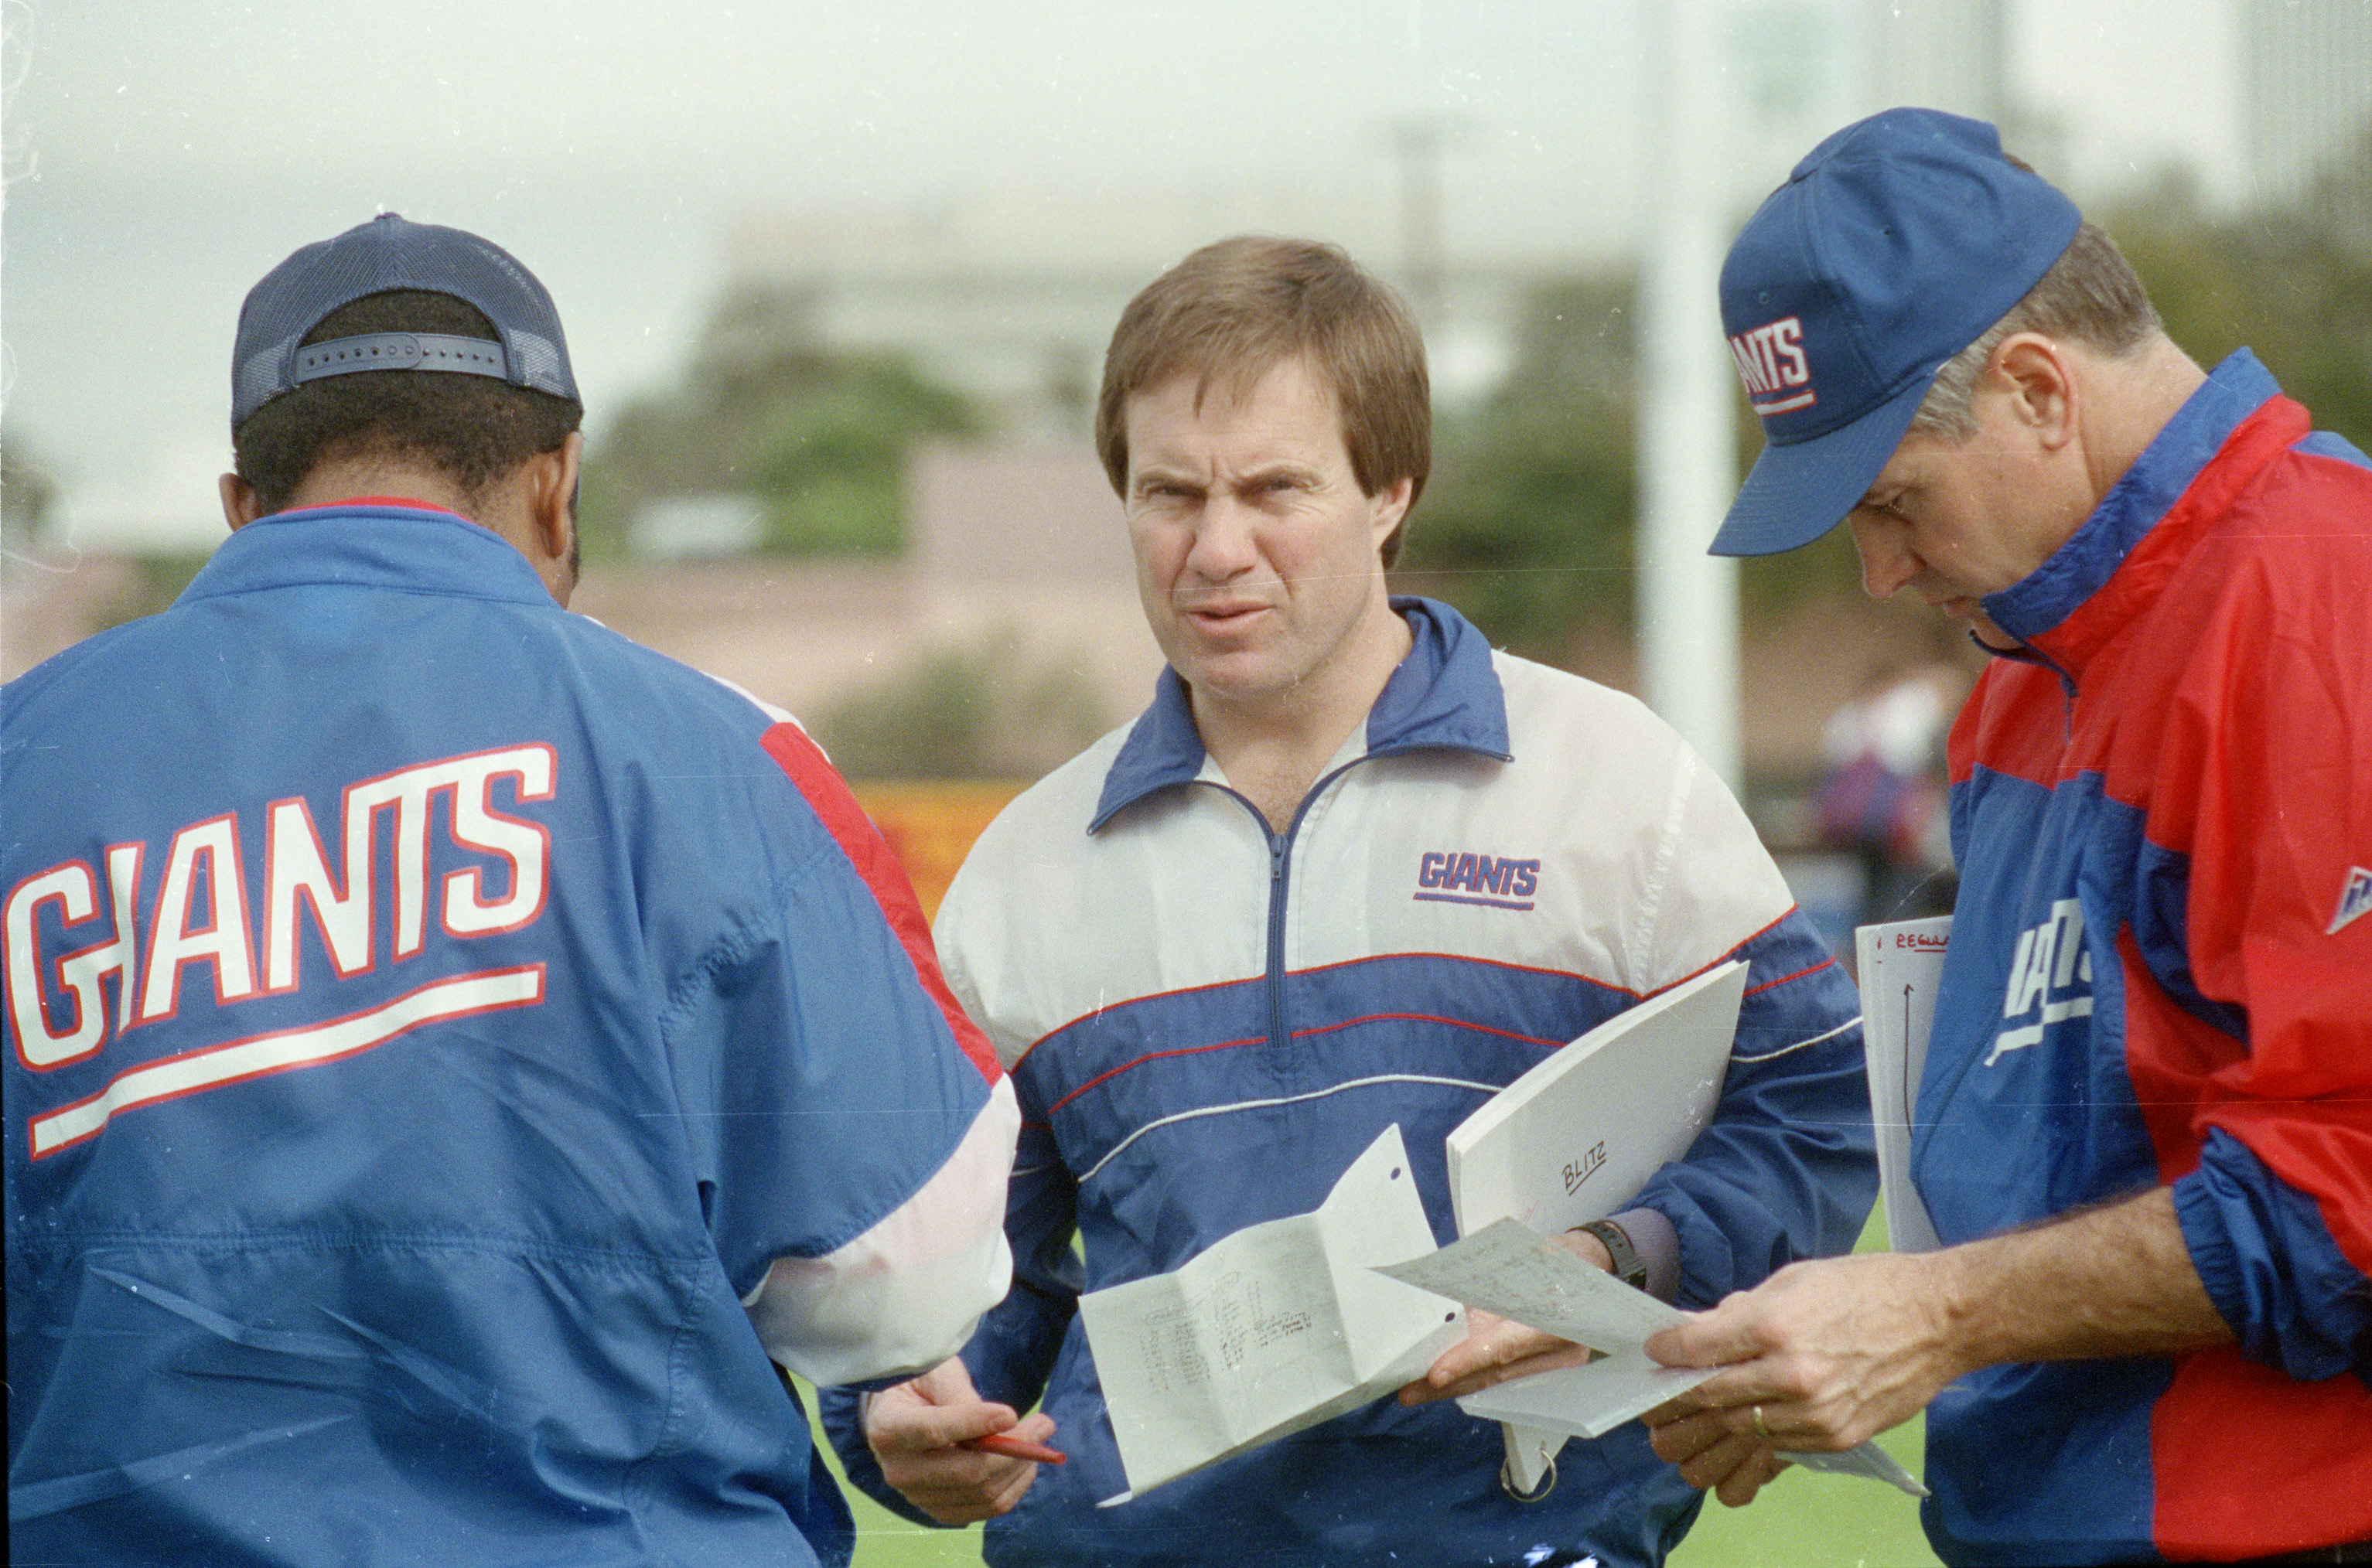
(827, 794)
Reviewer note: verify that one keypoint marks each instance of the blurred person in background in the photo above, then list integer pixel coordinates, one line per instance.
(1881, 798)
(452, 1046)
(2146, 1112)
(1351, 868)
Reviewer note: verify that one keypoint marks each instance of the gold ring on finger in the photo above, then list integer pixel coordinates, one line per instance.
(1759, 1429)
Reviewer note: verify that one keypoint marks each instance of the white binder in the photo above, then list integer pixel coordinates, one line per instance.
(1577, 1137)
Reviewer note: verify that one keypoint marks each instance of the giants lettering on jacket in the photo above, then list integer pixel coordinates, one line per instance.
(2049, 979)
(1450, 871)
(204, 913)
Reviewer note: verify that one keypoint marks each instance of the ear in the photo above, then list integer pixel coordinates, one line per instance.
(2041, 386)
(239, 504)
(553, 498)
(550, 480)
(1391, 505)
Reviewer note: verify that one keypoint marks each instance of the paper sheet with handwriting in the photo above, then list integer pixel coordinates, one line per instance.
(1590, 1402)
(1586, 1401)
(1274, 1329)
(1506, 1268)
(1899, 967)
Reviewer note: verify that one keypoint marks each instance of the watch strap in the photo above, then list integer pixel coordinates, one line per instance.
(1628, 1268)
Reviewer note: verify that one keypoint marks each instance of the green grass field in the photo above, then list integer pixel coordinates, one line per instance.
(1800, 1521)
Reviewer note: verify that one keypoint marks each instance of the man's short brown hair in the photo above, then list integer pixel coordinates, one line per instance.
(2091, 295)
(1232, 310)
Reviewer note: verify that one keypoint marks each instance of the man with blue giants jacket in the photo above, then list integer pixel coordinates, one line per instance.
(1351, 869)
(451, 1047)
(2145, 1124)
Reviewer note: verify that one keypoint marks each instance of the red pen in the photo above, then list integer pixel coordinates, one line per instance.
(1016, 1448)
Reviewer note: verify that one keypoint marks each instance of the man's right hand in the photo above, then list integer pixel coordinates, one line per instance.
(915, 1431)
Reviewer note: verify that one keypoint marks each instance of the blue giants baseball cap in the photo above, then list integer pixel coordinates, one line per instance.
(390, 252)
(1894, 245)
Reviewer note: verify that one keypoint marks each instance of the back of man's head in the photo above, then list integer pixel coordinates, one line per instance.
(403, 343)
(1231, 311)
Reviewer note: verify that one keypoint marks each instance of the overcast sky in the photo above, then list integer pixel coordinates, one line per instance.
(161, 158)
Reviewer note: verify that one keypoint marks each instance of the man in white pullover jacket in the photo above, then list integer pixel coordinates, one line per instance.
(1351, 868)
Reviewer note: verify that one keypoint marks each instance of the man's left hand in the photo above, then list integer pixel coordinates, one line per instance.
(1826, 1353)
(1495, 1350)
(1817, 1357)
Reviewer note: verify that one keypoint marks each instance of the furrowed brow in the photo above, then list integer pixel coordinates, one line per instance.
(1161, 474)
(1283, 468)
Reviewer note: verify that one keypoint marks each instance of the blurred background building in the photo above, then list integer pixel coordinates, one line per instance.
(2306, 73)
(839, 294)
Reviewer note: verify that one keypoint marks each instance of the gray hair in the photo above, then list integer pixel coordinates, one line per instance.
(2091, 295)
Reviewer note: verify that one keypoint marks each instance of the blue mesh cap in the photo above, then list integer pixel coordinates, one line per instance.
(1895, 244)
(389, 252)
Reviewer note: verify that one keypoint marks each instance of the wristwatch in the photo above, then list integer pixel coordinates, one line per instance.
(1627, 1266)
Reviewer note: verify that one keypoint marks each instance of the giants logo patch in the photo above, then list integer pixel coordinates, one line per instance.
(2049, 979)
(1770, 362)
(2354, 902)
(1456, 878)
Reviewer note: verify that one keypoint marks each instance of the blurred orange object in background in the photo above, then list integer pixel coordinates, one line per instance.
(931, 824)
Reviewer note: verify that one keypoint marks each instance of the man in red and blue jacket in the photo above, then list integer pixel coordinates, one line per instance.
(2145, 1119)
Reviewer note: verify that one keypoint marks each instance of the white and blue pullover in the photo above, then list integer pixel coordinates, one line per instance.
(1207, 1020)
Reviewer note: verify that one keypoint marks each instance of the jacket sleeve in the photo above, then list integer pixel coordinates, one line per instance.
(892, 1302)
(1012, 1353)
(858, 1126)
(2256, 923)
(1786, 1166)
